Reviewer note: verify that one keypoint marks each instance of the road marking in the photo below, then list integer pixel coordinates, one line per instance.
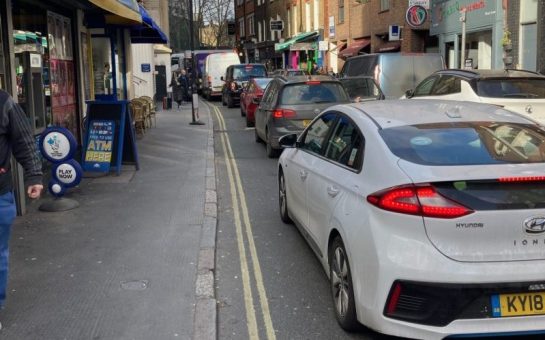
(246, 286)
(230, 160)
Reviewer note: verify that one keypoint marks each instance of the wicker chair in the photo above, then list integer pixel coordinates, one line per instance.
(152, 108)
(137, 113)
(147, 111)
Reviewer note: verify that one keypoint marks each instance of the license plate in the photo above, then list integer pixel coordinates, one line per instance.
(518, 304)
(306, 122)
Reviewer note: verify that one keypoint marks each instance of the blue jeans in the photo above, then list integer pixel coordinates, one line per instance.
(7, 215)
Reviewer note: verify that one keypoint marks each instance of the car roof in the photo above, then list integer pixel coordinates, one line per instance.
(484, 74)
(402, 112)
(305, 78)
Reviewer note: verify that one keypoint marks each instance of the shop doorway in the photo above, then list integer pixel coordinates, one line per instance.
(160, 82)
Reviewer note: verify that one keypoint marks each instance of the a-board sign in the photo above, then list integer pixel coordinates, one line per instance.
(100, 142)
(123, 136)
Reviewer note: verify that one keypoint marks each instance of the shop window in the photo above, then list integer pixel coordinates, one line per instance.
(102, 70)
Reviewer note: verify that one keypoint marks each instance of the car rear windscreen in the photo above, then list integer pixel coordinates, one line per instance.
(468, 143)
(511, 88)
(360, 87)
(313, 92)
(245, 72)
(263, 82)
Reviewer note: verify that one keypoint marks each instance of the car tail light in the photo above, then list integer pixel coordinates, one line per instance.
(280, 113)
(521, 179)
(233, 86)
(313, 82)
(417, 200)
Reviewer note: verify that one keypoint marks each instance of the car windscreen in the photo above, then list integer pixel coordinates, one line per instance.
(360, 88)
(511, 88)
(313, 92)
(468, 143)
(262, 82)
(245, 72)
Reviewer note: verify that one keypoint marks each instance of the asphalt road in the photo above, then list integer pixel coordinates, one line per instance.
(298, 300)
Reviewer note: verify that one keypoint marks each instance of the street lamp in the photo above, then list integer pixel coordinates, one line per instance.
(194, 96)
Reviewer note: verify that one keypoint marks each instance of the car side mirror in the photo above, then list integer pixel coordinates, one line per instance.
(288, 141)
(256, 100)
(409, 93)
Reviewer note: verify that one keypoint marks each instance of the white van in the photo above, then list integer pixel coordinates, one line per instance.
(395, 73)
(215, 66)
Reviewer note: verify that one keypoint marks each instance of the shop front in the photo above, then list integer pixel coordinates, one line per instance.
(301, 51)
(483, 27)
(54, 58)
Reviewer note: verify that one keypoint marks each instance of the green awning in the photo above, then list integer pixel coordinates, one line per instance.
(298, 38)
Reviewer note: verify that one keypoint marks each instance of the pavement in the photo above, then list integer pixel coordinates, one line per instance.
(136, 260)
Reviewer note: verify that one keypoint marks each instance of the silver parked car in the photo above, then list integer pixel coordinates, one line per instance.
(290, 104)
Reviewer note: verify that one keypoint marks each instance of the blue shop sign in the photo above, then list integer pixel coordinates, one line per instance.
(146, 67)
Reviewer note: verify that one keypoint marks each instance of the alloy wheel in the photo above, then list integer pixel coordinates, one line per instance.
(340, 281)
(282, 199)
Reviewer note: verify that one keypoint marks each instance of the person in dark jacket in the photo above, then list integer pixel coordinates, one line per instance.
(15, 138)
(177, 90)
(184, 83)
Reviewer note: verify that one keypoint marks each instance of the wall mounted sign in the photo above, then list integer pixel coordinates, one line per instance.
(145, 67)
(416, 16)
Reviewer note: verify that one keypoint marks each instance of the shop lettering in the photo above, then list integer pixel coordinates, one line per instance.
(100, 145)
(443, 12)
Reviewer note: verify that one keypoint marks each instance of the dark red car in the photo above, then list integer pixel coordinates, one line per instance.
(249, 98)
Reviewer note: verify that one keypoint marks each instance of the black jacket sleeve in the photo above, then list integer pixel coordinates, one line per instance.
(23, 144)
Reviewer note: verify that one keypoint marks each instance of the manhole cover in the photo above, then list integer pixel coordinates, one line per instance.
(135, 285)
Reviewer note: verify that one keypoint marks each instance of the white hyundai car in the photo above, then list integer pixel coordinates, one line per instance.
(516, 90)
(428, 216)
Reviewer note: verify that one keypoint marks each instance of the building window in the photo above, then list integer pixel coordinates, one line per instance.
(240, 2)
(295, 23)
(251, 30)
(341, 11)
(259, 32)
(384, 5)
(241, 31)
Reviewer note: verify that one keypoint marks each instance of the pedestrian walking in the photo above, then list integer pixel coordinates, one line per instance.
(177, 91)
(15, 138)
(184, 83)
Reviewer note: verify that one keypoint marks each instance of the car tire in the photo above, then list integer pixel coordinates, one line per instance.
(282, 198)
(230, 101)
(271, 152)
(342, 288)
(248, 123)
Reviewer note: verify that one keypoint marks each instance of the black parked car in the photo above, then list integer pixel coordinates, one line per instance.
(289, 104)
(235, 80)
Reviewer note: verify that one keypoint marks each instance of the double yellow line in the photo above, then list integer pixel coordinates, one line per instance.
(242, 221)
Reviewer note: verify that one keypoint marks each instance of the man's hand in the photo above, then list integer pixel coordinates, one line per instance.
(34, 191)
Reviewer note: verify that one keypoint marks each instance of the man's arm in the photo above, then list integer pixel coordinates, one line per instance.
(23, 147)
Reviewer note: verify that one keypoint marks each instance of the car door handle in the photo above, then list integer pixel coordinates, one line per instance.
(303, 174)
(332, 191)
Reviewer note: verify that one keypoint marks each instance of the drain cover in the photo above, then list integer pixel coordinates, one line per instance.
(135, 285)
